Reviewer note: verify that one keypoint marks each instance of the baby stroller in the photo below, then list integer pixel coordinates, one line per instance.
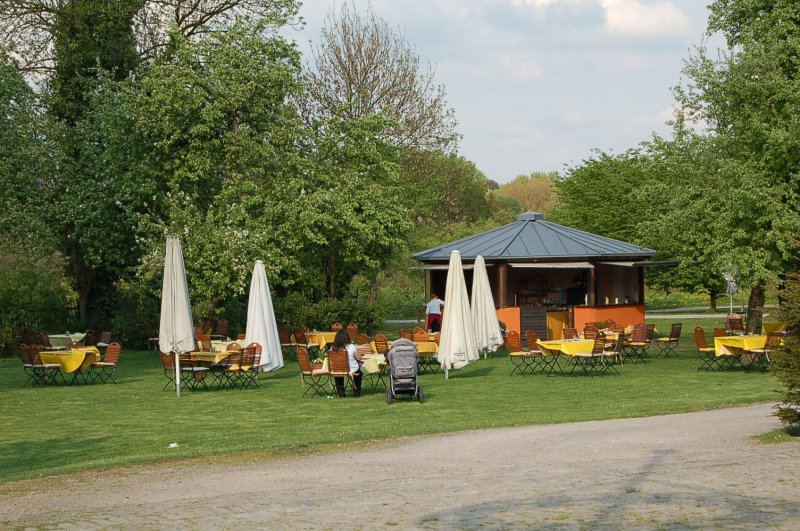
(403, 361)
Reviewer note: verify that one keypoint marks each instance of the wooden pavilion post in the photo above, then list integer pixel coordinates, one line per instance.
(502, 284)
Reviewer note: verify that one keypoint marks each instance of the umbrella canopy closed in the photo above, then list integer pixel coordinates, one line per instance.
(261, 325)
(176, 331)
(484, 317)
(457, 346)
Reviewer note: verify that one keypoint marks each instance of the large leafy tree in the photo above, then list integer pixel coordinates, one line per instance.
(363, 67)
(748, 101)
(536, 192)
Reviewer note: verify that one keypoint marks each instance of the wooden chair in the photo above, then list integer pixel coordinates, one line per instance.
(203, 342)
(381, 344)
(287, 345)
(45, 373)
(221, 370)
(589, 331)
(419, 335)
(667, 345)
(241, 337)
(105, 339)
(151, 335)
(708, 358)
(90, 339)
(760, 356)
(406, 333)
(361, 339)
(335, 327)
(513, 341)
(168, 364)
(734, 324)
(610, 324)
(339, 367)
(570, 333)
(27, 363)
(220, 330)
(636, 347)
(317, 379)
(720, 332)
(249, 366)
(352, 330)
(104, 370)
(593, 361)
(531, 337)
(193, 375)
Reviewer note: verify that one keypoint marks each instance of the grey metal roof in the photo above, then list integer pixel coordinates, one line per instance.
(532, 238)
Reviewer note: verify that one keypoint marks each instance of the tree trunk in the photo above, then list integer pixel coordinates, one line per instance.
(373, 296)
(755, 307)
(713, 300)
(84, 280)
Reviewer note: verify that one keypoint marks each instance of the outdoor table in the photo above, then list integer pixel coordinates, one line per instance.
(63, 340)
(222, 346)
(320, 338)
(735, 345)
(567, 347)
(212, 357)
(766, 328)
(76, 361)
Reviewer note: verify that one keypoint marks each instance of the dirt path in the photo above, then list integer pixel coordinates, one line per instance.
(696, 470)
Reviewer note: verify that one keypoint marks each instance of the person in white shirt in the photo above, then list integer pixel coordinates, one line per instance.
(342, 341)
(433, 313)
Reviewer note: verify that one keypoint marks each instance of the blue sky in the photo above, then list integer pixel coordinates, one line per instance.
(537, 85)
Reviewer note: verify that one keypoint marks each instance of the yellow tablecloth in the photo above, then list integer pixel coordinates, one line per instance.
(211, 357)
(734, 345)
(371, 363)
(320, 338)
(425, 348)
(569, 347)
(222, 346)
(72, 360)
(766, 328)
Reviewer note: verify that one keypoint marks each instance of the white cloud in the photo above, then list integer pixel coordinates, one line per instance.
(520, 67)
(632, 17)
(580, 117)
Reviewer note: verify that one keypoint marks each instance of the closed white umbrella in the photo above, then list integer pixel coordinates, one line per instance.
(457, 346)
(261, 325)
(484, 316)
(176, 330)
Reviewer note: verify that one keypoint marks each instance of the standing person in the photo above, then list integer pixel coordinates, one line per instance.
(433, 313)
(342, 341)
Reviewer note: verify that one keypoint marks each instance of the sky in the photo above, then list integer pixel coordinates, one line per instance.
(539, 85)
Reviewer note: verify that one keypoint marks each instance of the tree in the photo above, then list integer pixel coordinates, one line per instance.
(28, 29)
(536, 192)
(444, 188)
(748, 101)
(786, 361)
(362, 68)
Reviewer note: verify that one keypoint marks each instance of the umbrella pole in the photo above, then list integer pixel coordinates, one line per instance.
(446, 374)
(177, 374)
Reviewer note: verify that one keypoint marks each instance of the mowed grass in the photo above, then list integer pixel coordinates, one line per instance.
(57, 430)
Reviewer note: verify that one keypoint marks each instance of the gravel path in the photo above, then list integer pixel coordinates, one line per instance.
(687, 471)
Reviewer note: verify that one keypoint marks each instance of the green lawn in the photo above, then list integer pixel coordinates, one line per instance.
(56, 430)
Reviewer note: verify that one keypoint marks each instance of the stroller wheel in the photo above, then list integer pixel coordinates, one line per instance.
(420, 395)
(389, 395)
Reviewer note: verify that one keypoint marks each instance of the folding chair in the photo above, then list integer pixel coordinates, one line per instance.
(316, 379)
(760, 356)
(667, 345)
(192, 375)
(592, 361)
(221, 369)
(636, 347)
(708, 357)
(287, 345)
(249, 366)
(339, 367)
(104, 370)
(519, 358)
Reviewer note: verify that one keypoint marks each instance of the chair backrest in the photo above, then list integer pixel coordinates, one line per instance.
(406, 333)
(35, 357)
(284, 336)
(234, 347)
(241, 337)
(381, 344)
(300, 336)
(675, 332)
(205, 344)
(639, 334)
(303, 361)
(255, 348)
(362, 339)
(773, 341)
(352, 330)
(25, 354)
(335, 327)
(513, 341)
(248, 356)
(610, 324)
(105, 337)
(338, 364)
(221, 328)
(720, 332)
(419, 335)
(112, 353)
(531, 337)
(700, 337)
(570, 333)
(90, 339)
(599, 345)
(734, 323)
(590, 332)
(167, 361)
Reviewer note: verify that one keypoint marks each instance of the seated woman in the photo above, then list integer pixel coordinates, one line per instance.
(342, 341)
